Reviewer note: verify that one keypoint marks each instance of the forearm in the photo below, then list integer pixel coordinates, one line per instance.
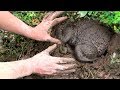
(11, 23)
(15, 69)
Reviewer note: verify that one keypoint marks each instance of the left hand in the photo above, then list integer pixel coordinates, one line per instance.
(45, 64)
(41, 32)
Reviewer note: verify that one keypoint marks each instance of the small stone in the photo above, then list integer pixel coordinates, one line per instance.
(63, 49)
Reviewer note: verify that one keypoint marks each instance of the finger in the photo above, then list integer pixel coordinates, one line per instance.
(69, 66)
(65, 67)
(51, 72)
(47, 15)
(65, 60)
(64, 72)
(55, 14)
(50, 48)
(54, 40)
(58, 20)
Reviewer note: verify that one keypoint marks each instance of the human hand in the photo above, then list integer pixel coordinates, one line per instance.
(42, 31)
(43, 63)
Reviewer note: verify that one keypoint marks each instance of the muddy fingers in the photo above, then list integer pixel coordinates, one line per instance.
(52, 15)
(65, 72)
(54, 40)
(58, 20)
(66, 67)
(50, 48)
(62, 60)
(47, 15)
(55, 14)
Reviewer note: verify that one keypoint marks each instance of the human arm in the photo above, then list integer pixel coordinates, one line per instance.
(15, 69)
(42, 64)
(11, 23)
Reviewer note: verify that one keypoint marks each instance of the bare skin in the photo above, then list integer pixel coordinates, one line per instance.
(11, 23)
(42, 63)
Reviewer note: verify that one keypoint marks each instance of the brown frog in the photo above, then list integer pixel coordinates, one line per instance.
(88, 39)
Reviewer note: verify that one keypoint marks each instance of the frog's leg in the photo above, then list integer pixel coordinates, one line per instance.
(86, 52)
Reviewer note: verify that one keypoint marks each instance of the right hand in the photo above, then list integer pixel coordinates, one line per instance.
(42, 31)
(43, 63)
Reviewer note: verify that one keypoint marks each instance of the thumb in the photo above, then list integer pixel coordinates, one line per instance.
(54, 40)
(50, 48)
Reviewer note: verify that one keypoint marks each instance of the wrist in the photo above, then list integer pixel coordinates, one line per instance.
(29, 67)
(28, 32)
(37, 68)
(32, 65)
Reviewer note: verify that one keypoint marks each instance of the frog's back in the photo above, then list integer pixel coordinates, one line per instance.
(89, 31)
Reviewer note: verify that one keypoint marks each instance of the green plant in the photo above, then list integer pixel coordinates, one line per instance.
(82, 13)
(109, 18)
(114, 58)
(30, 17)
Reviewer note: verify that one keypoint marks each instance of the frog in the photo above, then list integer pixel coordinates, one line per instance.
(88, 38)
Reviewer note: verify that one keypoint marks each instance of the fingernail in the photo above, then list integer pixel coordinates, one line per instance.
(55, 45)
(59, 42)
(66, 17)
